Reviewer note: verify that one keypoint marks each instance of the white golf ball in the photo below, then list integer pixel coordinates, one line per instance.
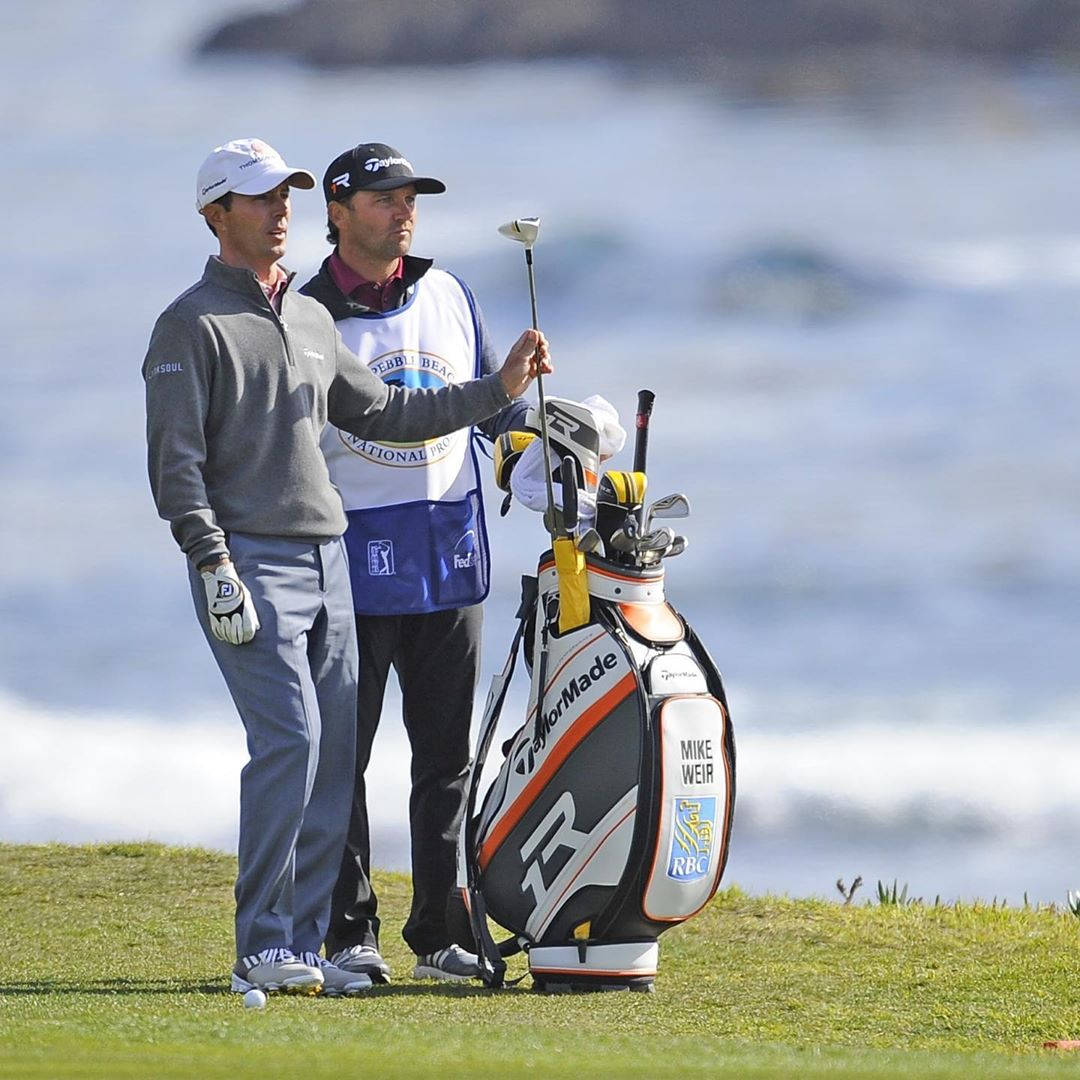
(255, 999)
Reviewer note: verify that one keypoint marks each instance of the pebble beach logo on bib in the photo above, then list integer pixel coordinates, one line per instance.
(411, 369)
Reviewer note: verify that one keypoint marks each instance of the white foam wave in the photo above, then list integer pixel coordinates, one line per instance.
(995, 262)
(86, 777)
(865, 782)
(894, 768)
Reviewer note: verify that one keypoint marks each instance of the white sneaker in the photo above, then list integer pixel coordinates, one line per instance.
(364, 960)
(452, 964)
(337, 982)
(276, 969)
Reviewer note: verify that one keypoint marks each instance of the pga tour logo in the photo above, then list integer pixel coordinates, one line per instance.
(692, 835)
(380, 558)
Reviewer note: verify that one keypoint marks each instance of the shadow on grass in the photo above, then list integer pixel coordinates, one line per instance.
(439, 990)
(110, 986)
(120, 987)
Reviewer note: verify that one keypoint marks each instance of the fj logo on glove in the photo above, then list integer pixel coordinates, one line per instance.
(232, 614)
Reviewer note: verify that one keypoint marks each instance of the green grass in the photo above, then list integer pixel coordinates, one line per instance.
(114, 963)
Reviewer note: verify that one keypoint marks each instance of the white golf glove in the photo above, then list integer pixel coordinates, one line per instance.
(232, 613)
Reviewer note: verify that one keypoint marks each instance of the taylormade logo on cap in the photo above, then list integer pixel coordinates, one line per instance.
(215, 184)
(248, 167)
(375, 164)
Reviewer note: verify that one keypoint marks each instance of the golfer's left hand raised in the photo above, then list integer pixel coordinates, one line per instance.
(529, 355)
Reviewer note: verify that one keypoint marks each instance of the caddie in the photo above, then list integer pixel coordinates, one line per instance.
(417, 542)
(242, 374)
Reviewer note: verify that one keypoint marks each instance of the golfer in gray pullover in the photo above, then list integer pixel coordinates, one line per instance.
(241, 375)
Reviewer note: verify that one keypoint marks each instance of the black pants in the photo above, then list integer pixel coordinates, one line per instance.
(436, 657)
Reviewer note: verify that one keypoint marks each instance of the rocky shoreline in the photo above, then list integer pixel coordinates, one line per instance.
(703, 35)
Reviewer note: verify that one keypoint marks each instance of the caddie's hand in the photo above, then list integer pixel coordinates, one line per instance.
(528, 355)
(232, 613)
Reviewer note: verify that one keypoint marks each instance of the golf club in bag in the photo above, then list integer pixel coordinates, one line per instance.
(610, 816)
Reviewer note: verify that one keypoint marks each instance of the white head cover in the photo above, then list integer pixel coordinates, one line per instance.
(528, 482)
(248, 167)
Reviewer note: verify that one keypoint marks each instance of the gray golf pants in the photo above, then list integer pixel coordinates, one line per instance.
(294, 686)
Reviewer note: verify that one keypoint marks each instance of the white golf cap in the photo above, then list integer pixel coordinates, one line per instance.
(248, 167)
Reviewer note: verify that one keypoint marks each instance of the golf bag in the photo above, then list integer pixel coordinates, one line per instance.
(610, 817)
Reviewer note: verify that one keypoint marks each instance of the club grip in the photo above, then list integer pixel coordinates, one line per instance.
(568, 480)
(645, 401)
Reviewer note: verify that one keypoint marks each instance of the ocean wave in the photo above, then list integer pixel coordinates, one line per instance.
(84, 777)
(789, 280)
(79, 777)
(906, 784)
(997, 262)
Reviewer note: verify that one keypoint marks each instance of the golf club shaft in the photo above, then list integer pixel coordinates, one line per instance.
(544, 439)
(645, 401)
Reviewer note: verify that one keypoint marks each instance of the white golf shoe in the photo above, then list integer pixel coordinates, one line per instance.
(336, 981)
(364, 960)
(452, 964)
(276, 969)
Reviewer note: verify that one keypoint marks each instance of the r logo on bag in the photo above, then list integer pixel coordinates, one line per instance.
(538, 851)
(692, 838)
(380, 558)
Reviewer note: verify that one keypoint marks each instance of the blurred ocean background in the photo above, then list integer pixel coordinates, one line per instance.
(860, 317)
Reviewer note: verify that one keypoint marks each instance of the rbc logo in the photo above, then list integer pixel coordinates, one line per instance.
(380, 558)
(692, 835)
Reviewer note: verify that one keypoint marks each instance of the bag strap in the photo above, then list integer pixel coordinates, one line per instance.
(492, 965)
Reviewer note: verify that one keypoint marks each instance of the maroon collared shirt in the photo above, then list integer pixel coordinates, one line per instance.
(371, 294)
(274, 291)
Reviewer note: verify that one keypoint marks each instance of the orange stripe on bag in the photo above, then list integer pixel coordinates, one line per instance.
(573, 735)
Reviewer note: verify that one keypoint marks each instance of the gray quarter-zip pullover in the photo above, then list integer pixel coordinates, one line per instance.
(236, 400)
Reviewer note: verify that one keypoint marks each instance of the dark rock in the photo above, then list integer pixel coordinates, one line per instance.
(411, 32)
(792, 282)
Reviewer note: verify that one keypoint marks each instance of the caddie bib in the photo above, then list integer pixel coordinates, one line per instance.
(416, 536)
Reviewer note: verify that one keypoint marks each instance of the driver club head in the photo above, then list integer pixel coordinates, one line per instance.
(523, 230)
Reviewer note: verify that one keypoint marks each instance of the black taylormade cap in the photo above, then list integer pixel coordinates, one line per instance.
(374, 167)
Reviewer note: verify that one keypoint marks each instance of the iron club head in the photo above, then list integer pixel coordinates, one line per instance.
(675, 505)
(590, 541)
(652, 546)
(678, 546)
(622, 540)
(523, 230)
